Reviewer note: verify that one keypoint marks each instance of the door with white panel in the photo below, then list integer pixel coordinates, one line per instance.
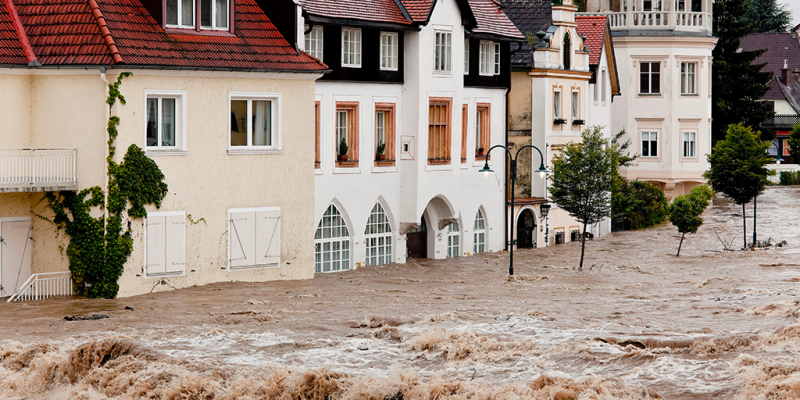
(15, 254)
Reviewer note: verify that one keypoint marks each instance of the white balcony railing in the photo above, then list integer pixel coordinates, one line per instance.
(37, 169)
(671, 20)
(42, 286)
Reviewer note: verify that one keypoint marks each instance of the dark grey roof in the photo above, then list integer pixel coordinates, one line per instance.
(529, 16)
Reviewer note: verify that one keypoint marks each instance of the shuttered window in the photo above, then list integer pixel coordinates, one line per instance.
(165, 237)
(254, 238)
(439, 131)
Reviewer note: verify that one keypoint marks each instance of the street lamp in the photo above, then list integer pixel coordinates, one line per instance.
(545, 209)
(513, 175)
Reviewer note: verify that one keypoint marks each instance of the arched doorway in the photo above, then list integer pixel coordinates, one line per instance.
(526, 226)
(332, 243)
(417, 240)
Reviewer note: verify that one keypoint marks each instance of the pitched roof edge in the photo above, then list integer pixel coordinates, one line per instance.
(403, 10)
(22, 35)
(609, 43)
(101, 23)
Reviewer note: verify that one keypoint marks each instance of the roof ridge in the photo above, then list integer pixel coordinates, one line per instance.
(101, 23)
(22, 35)
(403, 11)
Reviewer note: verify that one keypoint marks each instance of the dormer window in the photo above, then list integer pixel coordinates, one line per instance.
(212, 14)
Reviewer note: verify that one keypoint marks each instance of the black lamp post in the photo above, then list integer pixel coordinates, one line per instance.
(513, 175)
(545, 209)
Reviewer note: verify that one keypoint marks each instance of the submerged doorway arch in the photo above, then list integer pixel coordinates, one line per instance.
(526, 229)
(417, 240)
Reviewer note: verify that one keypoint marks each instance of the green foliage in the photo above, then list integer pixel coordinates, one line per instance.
(794, 144)
(381, 148)
(100, 246)
(789, 178)
(685, 210)
(736, 100)
(582, 179)
(640, 203)
(739, 165)
(766, 16)
(343, 147)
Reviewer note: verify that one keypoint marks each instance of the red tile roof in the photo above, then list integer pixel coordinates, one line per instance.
(492, 20)
(418, 9)
(11, 50)
(367, 10)
(68, 32)
(594, 28)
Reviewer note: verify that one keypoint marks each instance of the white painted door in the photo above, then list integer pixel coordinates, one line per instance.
(15, 254)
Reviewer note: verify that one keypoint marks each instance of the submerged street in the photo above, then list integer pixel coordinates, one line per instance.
(635, 323)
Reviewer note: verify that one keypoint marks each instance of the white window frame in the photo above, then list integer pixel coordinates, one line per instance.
(453, 240)
(275, 99)
(155, 214)
(688, 78)
(650, 79)
(315, 36)
(214, 11)
(497, 58)
(774, 148)
(180, 122)
(576, 105)
(689, 144)
(351, 47)
(557, 104)
(479, 234)
(233, 240)
(179, 12)
(442, 52)
(649, 140)
(487, 58)
(341, 240)
(389, 50)
(466, 56)
(372, 240)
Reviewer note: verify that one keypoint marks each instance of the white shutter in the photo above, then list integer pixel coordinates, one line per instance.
(156, 245)
(175, 244)
(242, 239)
(268, 237)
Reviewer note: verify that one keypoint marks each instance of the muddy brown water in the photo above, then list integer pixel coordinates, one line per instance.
(635, 323)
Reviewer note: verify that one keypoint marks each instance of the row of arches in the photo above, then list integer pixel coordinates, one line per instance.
(333, 249)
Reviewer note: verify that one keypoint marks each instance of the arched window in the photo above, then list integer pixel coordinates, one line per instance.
(479, 235)
(332, 243)
(379, 237)
(453, 240)
(567, 50)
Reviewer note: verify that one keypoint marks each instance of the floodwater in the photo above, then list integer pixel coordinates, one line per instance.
(635, 323)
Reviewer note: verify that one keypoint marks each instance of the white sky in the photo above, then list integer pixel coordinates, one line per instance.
(794, 7)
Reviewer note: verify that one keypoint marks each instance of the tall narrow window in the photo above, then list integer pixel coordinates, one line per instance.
(567, 50)
(332, 243)
(466, 56)
(439, 131)
(483, 128)
(351, 47)
(164, 128)
(486, 58)
(180, 13)
(347, 133)
(214, 14)
(689, 143)
(576, 105)
(389, 46)
(649, 144)
(316, 135)
(453, 240)
(603, 86)
(378, 237)
(441, 52)
(497, 58)
(384, 133)
(479, 234)
(688, 78)
(253, 122)
(557, 105)
(650, 77)
(314, 41)
(464, 125)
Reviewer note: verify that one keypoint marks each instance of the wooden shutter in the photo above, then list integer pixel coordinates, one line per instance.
(156, 249)
(175, 245)
(268, 237)
(242, 242)
(15, 255)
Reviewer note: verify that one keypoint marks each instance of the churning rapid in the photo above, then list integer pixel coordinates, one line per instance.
(636, 323)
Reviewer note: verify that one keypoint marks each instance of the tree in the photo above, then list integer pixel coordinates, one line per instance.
(642, 204)
(766, 16)
(685, 211)
(739, 167)
(582, 178)
(794, 144)
(737, 83)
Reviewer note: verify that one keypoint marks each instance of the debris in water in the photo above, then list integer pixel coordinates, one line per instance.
(84, 317)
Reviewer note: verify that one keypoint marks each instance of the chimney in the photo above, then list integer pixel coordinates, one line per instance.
(785, 72)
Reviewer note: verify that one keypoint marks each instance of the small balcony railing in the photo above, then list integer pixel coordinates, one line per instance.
(782, 122)
(43, 286)
(669, 20)
(27, 170)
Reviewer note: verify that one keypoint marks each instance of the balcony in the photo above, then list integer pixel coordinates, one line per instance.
(38, 170)
(784, 122)
(686, 21)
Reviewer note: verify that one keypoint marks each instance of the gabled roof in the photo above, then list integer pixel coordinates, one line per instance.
(11, 50)
(387, 11)
(789, 91)
(594, 28)
(780, 46)
(529, 16)
(122, 32)
(418, 10)
(491, 20)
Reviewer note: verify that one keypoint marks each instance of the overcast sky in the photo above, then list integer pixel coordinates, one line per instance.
(794, 7)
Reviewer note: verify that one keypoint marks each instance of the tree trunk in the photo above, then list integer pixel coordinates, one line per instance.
(744, 225)
(583, 245)
(680, 244)
(755, 238)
